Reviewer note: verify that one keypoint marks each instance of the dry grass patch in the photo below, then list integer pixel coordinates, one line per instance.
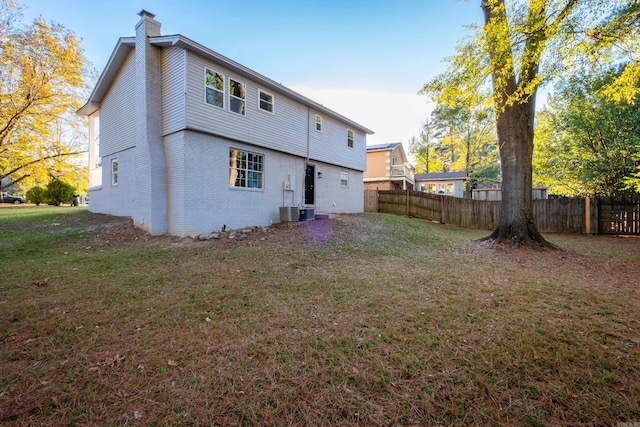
(361, 320)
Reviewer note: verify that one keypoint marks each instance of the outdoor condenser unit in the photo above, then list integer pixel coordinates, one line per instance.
(289, 214)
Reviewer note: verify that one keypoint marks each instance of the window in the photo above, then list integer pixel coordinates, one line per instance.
(450, 188)
(114, 171)
(318, 123)
(236, 97)
(245, 169)
(344, 179)
(214, 88)
(349, 138)
(265, 101)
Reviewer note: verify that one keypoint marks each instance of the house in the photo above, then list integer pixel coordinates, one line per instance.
(388, 168)
(446, 183)
(495, 193)
(186, 141)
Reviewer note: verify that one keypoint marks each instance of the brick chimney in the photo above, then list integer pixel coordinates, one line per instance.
(151, 185)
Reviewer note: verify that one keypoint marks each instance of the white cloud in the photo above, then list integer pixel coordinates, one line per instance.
(393, 116)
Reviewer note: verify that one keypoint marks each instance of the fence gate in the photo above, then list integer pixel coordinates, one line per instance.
(619, 215)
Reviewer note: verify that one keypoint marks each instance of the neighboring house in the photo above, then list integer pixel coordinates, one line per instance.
(191, 142)
(495, 193)
(388, 168)
(445, 183)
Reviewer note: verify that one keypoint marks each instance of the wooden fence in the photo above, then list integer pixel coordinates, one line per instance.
(371, 200)
(618, 215)
(551, 215)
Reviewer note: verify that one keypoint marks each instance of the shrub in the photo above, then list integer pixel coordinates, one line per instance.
(37, 195)
(59, 191)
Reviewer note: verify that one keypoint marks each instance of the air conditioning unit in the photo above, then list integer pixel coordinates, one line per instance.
(289, 214)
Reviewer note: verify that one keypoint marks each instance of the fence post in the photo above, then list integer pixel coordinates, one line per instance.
(587, 214)
(441, 209)
(407, 206)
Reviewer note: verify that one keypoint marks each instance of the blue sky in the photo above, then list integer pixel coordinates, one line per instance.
(365, 59)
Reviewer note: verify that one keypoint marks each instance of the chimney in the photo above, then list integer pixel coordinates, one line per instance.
(148, 25)
(145, 13)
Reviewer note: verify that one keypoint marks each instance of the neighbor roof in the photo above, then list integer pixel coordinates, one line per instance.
(125, 44)
(388, 146)
(440, 176)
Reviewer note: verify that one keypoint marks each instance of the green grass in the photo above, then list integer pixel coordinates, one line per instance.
(363, 320)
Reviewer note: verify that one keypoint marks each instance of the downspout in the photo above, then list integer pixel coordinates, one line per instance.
(306, 161)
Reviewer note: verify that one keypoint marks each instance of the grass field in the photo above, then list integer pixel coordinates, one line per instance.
(363, 320)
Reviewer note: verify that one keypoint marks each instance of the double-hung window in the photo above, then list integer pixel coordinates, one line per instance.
(318, 123)
(237, 93)
(344, 179)
(214, 88)
(114, 171)
(349, 138)
(246, 169)
(265, 101)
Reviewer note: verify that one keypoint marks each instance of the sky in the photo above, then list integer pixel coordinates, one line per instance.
(365, 59)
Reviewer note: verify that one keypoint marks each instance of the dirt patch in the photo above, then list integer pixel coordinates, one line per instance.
(315, 233)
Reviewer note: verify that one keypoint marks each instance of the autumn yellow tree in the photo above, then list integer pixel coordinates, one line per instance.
(41, 83)
(522, 45)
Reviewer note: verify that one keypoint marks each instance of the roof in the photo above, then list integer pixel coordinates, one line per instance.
(126, 44)
(440, 176)
(388, 146)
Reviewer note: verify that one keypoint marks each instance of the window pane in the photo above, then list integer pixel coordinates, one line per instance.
(214, 80)
(215, 97)
(266, 106)
(236, 88)
(236, 105)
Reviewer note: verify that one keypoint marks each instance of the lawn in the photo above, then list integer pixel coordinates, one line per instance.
(362, 320)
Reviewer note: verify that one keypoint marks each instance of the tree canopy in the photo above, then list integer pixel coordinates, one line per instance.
(586, 143)
(41, 87)
(521, 46)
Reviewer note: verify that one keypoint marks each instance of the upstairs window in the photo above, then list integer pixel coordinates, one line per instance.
(214, 88)
(265, 101)
(349, 138)
(237, 97)
(245, 169)
(318, 123)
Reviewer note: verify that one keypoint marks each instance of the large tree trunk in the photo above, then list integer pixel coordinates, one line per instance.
(515, 100)
(515, 139)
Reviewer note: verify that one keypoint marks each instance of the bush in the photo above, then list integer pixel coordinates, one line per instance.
(59, 191)
(37, 195)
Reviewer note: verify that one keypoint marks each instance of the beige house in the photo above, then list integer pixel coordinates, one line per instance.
(388, 168)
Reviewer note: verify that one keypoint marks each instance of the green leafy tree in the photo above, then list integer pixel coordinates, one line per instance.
(37, 195)
(424, 150)
(41, 87)
(522, 45)
(59, 191)
(586, 143)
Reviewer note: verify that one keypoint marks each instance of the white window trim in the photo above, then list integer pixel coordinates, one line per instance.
(273, 102)
(224, 87)
(263, 172)
(342, 173)
(115, 176)
(315, 123)
(353, 139)
(235, 97)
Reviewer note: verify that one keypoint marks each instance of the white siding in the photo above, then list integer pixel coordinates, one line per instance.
(116, 199)
(117, 112)
(173, 90)
(285, 130)
(330, 145)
